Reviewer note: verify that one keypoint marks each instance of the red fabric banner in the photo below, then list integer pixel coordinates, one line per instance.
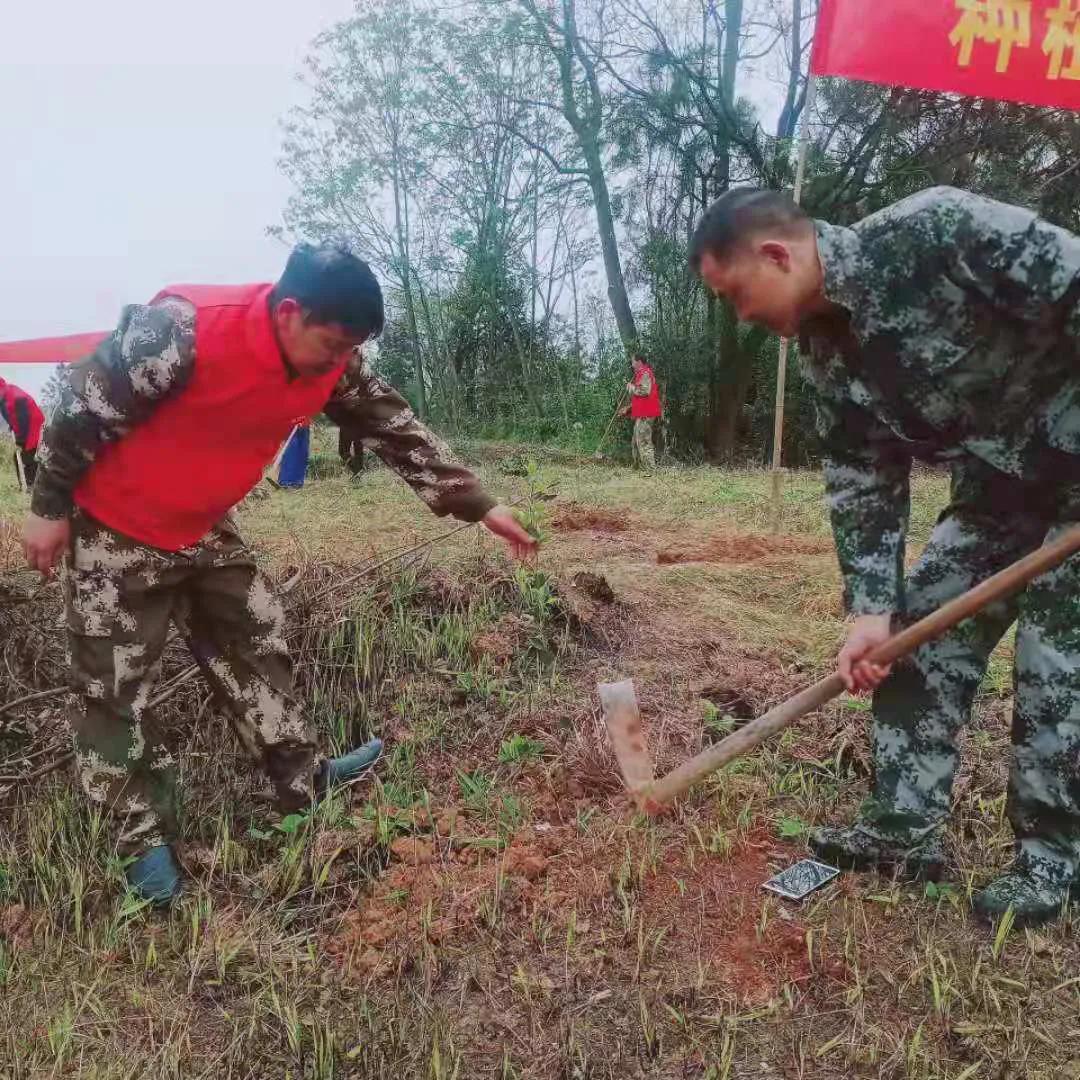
(57, 350)
(1015, 50)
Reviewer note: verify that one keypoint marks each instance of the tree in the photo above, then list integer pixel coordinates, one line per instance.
(579, 64)
(681, 112)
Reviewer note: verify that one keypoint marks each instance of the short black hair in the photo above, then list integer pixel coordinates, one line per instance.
(333, 285)
(739, 214)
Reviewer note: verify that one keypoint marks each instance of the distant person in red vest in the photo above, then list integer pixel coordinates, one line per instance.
(21, 413)
(644, 408)
(161, 431)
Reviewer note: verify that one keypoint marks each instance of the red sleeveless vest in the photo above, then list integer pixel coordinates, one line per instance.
(170, 479)
(645, 408)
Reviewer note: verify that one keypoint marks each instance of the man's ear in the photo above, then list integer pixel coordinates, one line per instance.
(776, 252)
(286, 310)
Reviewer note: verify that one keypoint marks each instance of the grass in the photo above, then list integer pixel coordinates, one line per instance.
(488, 906)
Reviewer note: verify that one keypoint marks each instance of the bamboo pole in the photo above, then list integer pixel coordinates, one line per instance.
(785, 344)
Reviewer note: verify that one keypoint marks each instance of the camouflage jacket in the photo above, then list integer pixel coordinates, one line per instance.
(957, 332)
(152, 355)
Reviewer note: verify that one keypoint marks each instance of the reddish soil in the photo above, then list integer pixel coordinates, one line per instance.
(741, 548)
(712, 912)
(16, 925)
(435, 892)
(576, 517)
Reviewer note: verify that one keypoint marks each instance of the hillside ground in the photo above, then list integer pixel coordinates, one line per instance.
(490, 905)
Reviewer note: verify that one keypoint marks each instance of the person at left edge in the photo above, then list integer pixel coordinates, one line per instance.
(163, 429)
(21, 413)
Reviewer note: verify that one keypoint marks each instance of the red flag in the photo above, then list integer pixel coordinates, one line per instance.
(56, 350)
(1016, 50)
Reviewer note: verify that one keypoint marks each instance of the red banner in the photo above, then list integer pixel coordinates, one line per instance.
(1016, 50)
(57, 350)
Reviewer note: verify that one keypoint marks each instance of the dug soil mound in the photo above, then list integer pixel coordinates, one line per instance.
(577, 517)
(710, 908)
(742, 548)
(438, 889)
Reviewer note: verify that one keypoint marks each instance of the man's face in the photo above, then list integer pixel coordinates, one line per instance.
(768, 283)
(313, 349)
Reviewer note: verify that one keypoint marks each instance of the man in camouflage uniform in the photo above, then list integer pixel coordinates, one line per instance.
(945, 328)
(122, 594)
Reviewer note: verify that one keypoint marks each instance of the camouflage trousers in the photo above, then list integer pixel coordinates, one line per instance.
(644, 454)
(991, 521)
(120, 598)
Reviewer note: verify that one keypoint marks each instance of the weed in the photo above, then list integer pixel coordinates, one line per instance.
(518, 748)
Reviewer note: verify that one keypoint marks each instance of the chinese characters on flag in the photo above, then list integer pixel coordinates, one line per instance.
(1063, 40)
(1007, 24)
(1017, 50)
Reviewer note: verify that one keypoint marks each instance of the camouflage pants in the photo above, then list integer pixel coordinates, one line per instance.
(120, 597)
(644, 454)
(991, 521)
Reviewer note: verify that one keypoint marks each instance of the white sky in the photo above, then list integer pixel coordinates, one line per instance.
(139, 148)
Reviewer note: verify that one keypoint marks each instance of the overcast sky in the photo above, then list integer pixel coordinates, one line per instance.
(140, 144)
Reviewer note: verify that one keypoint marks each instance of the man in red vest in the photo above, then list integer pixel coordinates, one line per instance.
(21, 413)
(160, 432)
(644, 408)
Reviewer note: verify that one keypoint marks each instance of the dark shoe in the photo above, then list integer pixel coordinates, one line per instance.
(856, 848)
(347, 769)
(154, 876)
(1034, 900)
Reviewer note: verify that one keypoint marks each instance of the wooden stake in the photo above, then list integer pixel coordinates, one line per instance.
(781, 364)
(20, 474)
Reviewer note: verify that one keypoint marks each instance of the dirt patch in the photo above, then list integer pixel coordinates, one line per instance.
(576, 517)
(438, 890)
(595, 585)
(741, 548)
(711, 909)
(501, 642)
(17, 925)
(728, 701)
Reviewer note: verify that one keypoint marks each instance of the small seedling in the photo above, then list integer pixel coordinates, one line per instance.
(520, 748)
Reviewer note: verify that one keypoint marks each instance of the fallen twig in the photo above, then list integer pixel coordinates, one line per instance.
(40, 695)
(51, 766)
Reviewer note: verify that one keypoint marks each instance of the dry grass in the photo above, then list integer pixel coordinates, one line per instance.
(491, 907)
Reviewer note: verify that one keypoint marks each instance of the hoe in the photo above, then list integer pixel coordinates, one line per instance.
(619, 702)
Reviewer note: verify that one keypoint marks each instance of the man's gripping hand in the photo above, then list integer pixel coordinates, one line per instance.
(44, 543)
(866, 634)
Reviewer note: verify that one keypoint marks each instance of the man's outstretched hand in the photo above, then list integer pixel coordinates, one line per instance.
(44, 543)
(867, 633)
(501, 521)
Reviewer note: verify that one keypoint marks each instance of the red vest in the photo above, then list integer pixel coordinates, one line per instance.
(168, 481)
(645, 408)
(14, 403)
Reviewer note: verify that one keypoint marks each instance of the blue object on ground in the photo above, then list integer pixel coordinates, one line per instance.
(294, 461)
(154, 876)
